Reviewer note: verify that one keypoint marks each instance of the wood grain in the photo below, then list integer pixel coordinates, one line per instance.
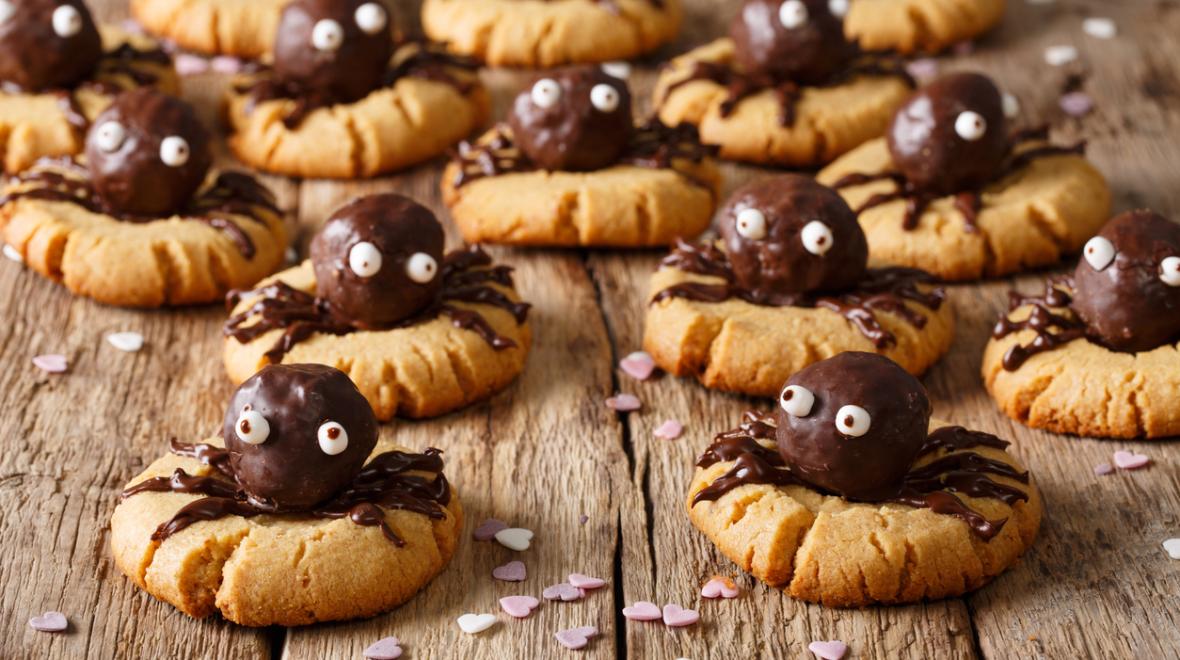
(546, 452)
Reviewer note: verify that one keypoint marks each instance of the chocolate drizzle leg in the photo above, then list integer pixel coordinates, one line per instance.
(1053, 329)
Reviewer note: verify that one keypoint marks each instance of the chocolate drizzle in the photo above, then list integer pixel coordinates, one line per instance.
(383, 484)
(466, 276)
(231, 196)
(882, 289)
(954, 469)
(1053, 328)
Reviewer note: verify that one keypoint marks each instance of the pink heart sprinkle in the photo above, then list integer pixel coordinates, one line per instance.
(830, 650)
(582, 519)
(49, 622)
(623, 403)
(638, 365)
(226, 64)
(190, 65)
(384, 649)
(1103, 469)
(1126, 460)
(585, 581)
(576, 638)
(513, 571)
(923, 69)
(669, 430)
(676, 616)
(1076, 104)
(488, 529)
(719, 587)
(519, 606)
(53, 363)
(563, 592)
(642, 611)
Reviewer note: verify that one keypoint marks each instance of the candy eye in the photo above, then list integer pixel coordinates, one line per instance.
(853, 421)
(327, 35)
(839, 8)
(970, 125)
(67, 21)
(364, 259)
(620, 70)
(817, 238)
(605, 98)
(174, 151)
(792, 14)
(371, 18)
(109, 136)
(252, 428)
(421, 268)
(333, 438)
(1099, 252)
(1170, 271)
(7, 9)
(546, 93)
(796, 400)
(751, 224)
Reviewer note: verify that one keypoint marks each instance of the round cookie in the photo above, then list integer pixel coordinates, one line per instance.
(919, 26)
(548, 33)
(242, 28)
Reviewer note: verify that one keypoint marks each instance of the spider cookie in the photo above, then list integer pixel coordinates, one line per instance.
(785, 87)
(420, 333)
(296, 514)
(570, 167)
(138, 221)
(953, 191)
(848, 494)
(548, 33)
(342, 100)
(1097, 353)
(57, 73)
(787, 285)
(918, 26)
(225, 27)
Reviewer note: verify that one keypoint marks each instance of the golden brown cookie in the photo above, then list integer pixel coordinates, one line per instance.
(830, 550)
(424, 369)
(549, 33)
(1030, 218)
(909, 26)
(34, 126)
(284, 570)
(243, 28)
(829, 121)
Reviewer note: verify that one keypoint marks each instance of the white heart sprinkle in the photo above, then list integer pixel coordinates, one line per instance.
(476, 623)
(1172, 547)
(12, 254)
(128, 342)
(515, 538)
(1100, 28)
(1060, 55)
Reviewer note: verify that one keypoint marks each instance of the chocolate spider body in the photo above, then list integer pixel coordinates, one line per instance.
(797, 40)
(47, 44)
(339, 49)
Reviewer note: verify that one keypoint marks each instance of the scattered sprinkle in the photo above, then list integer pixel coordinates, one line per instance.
(638, 365)
(669, 430)
(49, 622)
(642, 611)
(1125, 460)
(519, 606)
(585, 581)
(719, 587)
(1076, 104)
(676, 616)
(576, 638)
(1172, 547)
(621, 70)
(11, 253)
(582, 519)
(226, 64)
(515, 538)
(513, 571)
(564, 592)
(1060, 55)
(53, 363)
(475, 623)
(130, 26)
(389, 648)
(190, 65)
(1103, 469)
(128, 342)
(1011, 105)
(923, 69)
(486, 531)
(623, 403)
(830, 650)
(1100, 28)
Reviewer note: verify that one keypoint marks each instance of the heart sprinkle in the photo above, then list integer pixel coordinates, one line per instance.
(1100, 28)
(1125, 460)
(53, 363)
(519, 606)
(576, 638)
(1076, 104)
(676, 616)
(49, 622)
(384, 649)
(638, 365)
(669, 430)
(515, 538)
(923, 69)
(1103, 469)
(488, 529)
(585, 581)
(513, 571)
(623, 403)
(565, 592)
(128, 342)
(12, 254)
(642, 611)
(475, 623)
(1060, 55)
(1172, 547)
(719, 587)
(190, 65)
(582, 519)
(830, 650)
(226, 64)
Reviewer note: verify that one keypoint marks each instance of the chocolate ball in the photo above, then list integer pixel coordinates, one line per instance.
(378, 260)
(47, 44)
(336, 48)
(797, 40)
(1127, 284)
(147, 154)
(576, 119)
(951, 135)
(788, 234)
(852, 425)
(297, 434)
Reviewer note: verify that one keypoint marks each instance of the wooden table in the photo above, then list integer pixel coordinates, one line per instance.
(547, 451)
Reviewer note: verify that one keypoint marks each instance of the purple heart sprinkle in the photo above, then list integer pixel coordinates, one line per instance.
(513, 571)
(487, 530)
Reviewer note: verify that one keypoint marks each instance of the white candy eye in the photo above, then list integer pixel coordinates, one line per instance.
(109, 137)
(970, 125)
(252, 428)
(327, 35)
(620, 70)
(839, 8)
(371, 18)
(1099, 252)
(853, 421)
(67, 21)
(365, 259)
(751, 224)
(333, 438)
(546, 93)
(421, 268)
(817, 238)
(796, 400)
(174, 151)
(7, 9)
(792, 14)
(1170, 271)
(605, 98)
